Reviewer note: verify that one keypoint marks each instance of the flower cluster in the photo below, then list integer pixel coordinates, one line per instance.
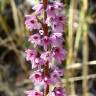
(47, 40)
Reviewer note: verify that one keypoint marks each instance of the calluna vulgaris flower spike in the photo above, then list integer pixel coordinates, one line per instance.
(47, 40)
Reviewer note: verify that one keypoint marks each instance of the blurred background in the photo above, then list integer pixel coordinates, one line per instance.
(80, 42)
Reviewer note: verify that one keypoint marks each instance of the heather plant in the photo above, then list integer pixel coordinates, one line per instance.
(48, 52)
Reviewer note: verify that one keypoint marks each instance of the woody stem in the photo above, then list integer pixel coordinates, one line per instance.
(46, 67)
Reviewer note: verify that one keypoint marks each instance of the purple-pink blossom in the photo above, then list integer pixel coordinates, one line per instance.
(51, 11)
(37, 62)
(30, 54)
(38, 9)
(35, 39)
(59, 54)
(36, 76)
(56, 39)
(58, 5)
(33, 93)
(58, 27)
(56, 75)
(31, 22)
(58, 91)
(46, 56)
(34, 57)
(47, 47)
(59, 71)
(45, 42)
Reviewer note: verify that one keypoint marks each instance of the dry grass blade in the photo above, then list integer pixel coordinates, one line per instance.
(70, 58)
(15, 16)
(73, 79)
(85, 59)
(4, 25)
(79, 32)
(85, 51)
(79, 65)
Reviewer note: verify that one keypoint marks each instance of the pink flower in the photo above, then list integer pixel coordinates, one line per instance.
(34, 57)
(31, 22)
(41, 32)
(59, 54)
(56, 23)
(56, 20)
(56, 39)
(45, 42)
(46, 56)
(37, 62)
(51, 94)
(54, 78)
(30, 54)
(35, 39)
(56, 75)
(58, 5)
(59, 20)
(51, 11)
(52, 44)
(54, 9)
(58, 71)
(36, 76)
(34, 93)
(38, 9)
(49, 21)
(59, 35)
(46, 81)
(58, 27)
(58, 91)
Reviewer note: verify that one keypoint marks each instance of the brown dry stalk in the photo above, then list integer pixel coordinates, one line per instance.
(45, 28)
(46, 73)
